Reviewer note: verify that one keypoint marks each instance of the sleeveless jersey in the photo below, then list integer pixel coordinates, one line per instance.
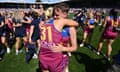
(65, 34)
(91, 21)
(109, 33)
(49, 36)
(109, 24)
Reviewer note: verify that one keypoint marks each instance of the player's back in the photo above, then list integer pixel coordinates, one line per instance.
(49, 36)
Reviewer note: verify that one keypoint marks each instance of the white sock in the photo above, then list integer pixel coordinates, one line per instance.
(17, 51)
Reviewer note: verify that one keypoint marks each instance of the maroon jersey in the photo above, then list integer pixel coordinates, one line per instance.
(49, 36)
(109, 33)
(52, 61)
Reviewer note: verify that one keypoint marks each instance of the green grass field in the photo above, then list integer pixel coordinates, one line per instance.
(84, 60)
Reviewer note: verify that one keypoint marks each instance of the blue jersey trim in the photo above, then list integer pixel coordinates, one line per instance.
(111, 17)
(51, 21)
(65, 32)
(92, 21)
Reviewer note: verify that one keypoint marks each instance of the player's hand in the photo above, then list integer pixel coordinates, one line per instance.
(57, 48)
(19, 25)
(31, 42)
(22, 21)
(41, 25)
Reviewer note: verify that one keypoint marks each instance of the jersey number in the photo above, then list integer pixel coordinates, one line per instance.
(43, 33)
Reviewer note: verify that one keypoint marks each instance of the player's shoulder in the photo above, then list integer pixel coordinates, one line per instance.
(66, 20)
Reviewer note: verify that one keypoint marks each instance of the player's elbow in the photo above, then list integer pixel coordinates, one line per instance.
(75, 23)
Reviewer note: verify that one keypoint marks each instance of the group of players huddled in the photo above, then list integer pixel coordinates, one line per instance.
(51, 35)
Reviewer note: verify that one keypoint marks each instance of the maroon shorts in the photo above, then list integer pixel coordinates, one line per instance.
(65, 60)
(53, 63)
(27, 29)
(88, 30)
(110, 35)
